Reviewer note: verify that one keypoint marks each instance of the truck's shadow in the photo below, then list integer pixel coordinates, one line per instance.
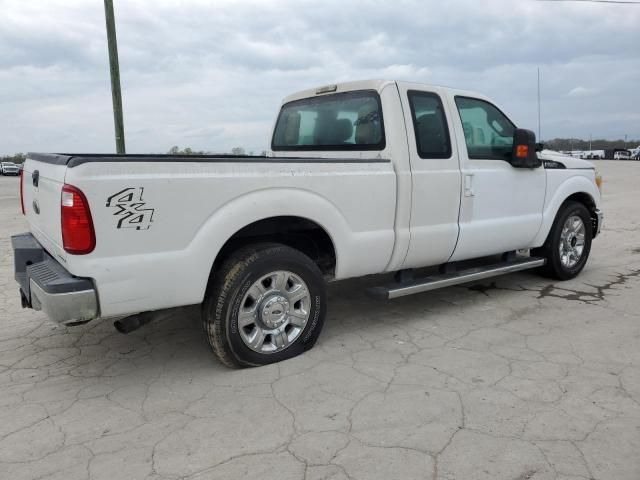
(177, 342)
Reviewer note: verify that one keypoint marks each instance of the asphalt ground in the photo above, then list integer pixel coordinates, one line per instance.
(514, 378)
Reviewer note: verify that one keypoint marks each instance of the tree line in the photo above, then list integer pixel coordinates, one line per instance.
(175, 150)
(17, 158)
(559, 144)
(568, 144)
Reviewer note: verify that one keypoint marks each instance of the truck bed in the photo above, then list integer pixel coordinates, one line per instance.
(160, 220)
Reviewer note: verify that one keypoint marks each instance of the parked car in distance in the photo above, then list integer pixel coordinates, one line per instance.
(9, 168)
(362, 178)
(622, 155)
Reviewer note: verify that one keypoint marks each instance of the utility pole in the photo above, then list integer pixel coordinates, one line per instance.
(539, 128)
(114, 67)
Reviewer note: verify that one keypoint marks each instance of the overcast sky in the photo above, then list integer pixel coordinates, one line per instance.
(211, 74)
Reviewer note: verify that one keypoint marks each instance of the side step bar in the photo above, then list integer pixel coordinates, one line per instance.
(434, 282)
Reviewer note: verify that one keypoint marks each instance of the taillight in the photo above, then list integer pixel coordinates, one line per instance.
(22, 190)
(78, 235)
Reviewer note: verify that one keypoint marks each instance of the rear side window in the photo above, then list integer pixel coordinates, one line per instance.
(429, 125)
(341, 121)
(488, 132)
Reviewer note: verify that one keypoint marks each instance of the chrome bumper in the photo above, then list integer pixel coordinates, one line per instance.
(46, 285)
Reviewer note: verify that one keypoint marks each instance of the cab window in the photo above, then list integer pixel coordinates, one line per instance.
(429, 125)
(488, 132)
(341, 121)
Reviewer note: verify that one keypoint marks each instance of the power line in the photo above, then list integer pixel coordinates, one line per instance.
(620, 2)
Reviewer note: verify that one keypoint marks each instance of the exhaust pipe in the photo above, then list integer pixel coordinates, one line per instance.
(26, 303)
(133, 322)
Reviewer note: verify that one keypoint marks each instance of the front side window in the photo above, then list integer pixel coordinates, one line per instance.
(488, 133)
(341, 121)
(429, 125)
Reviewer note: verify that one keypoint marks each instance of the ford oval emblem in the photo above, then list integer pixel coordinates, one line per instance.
(36, 207)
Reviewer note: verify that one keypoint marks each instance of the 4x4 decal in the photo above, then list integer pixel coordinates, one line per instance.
(131, 209)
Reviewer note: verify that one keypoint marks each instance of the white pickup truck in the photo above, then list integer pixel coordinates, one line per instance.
(362, 178)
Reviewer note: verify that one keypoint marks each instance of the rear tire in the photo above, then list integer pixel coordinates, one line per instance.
(265, 304)
(568, 245)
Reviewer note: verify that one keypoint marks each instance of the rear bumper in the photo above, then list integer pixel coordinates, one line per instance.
(46, 285)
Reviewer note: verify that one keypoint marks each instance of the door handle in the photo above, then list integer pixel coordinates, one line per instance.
(468, 186)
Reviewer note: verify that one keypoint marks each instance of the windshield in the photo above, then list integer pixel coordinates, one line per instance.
(342, 121)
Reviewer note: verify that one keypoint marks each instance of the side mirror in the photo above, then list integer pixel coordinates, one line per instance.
(524, 154)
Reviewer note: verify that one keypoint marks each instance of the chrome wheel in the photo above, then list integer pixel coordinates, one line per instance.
(572, 241)
(274, 312)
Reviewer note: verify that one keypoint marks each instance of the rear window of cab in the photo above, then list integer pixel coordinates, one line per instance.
(340, 121)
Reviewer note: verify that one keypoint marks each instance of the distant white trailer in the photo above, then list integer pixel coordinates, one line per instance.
(593, 154)
(573, 153)
(588, 154)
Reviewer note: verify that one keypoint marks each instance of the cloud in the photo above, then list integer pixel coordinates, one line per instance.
(582, 92)
(211, 75)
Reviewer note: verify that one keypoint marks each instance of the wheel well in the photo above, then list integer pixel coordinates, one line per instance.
(583, 198)
(296, 232)
(589, 202)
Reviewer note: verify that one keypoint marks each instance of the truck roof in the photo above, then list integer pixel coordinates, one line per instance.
(373, 84)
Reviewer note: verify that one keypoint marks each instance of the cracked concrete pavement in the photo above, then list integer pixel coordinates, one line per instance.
(515, 378)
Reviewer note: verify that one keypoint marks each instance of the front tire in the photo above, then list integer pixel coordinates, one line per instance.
(568, 245)
(267, 303)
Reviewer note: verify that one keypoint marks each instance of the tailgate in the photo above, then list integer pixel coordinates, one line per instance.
(42, 187)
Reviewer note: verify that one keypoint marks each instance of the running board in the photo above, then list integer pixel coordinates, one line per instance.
(434, 282)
